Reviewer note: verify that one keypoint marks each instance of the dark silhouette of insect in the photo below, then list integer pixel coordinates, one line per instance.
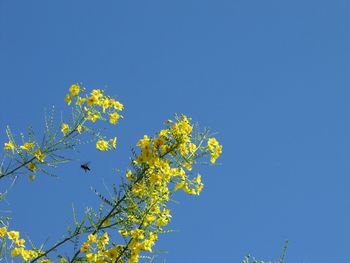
(85, 167)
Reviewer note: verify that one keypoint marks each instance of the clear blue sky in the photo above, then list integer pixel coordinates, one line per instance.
(272, 77)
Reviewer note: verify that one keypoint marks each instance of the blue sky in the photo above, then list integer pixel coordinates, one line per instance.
(272, 77)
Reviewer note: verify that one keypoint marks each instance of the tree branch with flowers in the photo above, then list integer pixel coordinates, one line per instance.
(127, 225)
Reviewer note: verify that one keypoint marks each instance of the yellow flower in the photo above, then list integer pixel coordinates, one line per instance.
(79, 128)
(92, 238)
(134, 257)
(106, 222)
(32, 254)
(118, 106)
(97, 93)
(149, 219)
(198, 179)
(32, 167)
(94, 116)
(63, 260)
(192, 147)
(215, 149)
(80, 100)
(68, 99)
(17, 251)
(9, 146)
(153, 236)
(39, 155)
(164, 133)
(27, 146)
(144, 142)
(65, 128)
(179, 185)
(155, 209)
(92, 100)
(113, 117)
(85, 247)
(31, 177)
(102, 145)
(123, 232)
(129, 175)
(13, 235)
(137, 234)
(91, 257)
(20, 242)
(187, 165)
(104, 240)
(212, 144)
(3, 231)
(114, 252)
(147, 245)
(113, 142)
(105, 104)
(158, 142)
(28, 254)
(74, 89)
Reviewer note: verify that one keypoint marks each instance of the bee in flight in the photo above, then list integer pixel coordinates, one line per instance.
(85, 166)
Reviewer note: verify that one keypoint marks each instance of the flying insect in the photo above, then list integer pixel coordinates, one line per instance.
(85, 166)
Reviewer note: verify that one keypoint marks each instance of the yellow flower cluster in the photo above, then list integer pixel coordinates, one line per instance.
(95, 106)
(165, 160)
(140, 243)
(39, 155)
(27, 146)
(18, 245)
(95, 249)
(90, 107)
(94, 103)
(176, 141)
(215, 149)
(73, 91)
(162, 161)
(104, 145)
(65, 128)
(9, 146)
